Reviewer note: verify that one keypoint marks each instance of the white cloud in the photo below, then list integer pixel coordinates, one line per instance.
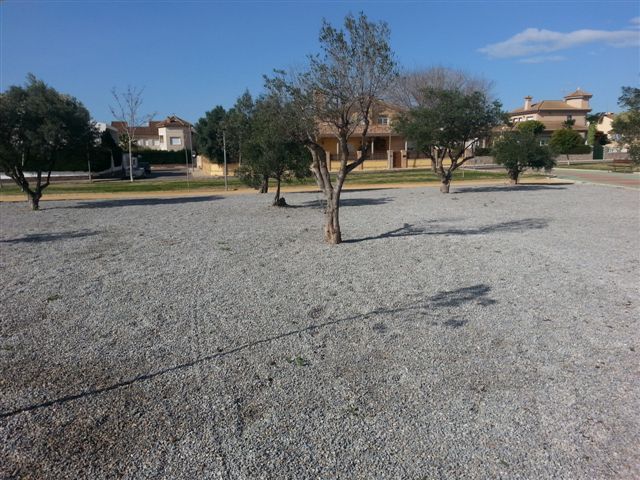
(543, 58)
(535, 40)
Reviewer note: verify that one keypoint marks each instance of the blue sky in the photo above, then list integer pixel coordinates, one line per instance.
(192, 55)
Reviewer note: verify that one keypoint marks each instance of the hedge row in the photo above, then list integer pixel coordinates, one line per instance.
(100, 160)
(580, 149)
(159, 157)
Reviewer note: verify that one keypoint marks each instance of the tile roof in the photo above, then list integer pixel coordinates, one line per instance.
(145, 130)
(579, 93)
(546, 105)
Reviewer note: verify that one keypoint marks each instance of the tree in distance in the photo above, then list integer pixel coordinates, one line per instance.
(565, 141)
(447, 126)
(39, 126)
(627, 124)
(519, 150)
(272, 151)
(408, 89)
(127, 111)
(209, 134)
(534, 127)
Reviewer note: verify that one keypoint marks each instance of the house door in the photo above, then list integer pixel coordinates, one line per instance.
(397, 159)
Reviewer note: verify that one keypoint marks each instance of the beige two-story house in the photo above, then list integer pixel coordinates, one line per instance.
(554, 113)
(172, 133)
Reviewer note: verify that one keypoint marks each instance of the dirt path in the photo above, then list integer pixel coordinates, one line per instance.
(202, 192)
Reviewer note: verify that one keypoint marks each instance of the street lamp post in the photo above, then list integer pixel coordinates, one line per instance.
(224, 153)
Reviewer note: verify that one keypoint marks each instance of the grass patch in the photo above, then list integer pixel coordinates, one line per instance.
(53, 298)
(298, 361)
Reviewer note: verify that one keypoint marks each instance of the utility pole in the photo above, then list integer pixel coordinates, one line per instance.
(224, 153)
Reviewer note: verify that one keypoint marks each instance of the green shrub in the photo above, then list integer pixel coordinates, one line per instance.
(483, 152)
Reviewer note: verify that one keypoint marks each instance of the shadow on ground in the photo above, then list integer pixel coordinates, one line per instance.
(346, 202)
(132, 202)
(509, 188)
(452, 298)
(50, 237)
(409, 230)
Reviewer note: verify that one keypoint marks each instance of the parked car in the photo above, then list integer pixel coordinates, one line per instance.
(138, 172)
(146, 166)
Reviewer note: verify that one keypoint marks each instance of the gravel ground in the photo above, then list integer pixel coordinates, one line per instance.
(490, 333)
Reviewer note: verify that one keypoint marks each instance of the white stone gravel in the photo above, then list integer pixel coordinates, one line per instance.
(491, 333)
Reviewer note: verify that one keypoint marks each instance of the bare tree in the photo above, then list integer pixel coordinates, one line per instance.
(127, 111)
(408, 89)
(340, 90)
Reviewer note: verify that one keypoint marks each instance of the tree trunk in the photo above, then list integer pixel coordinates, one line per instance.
(444, 185)
(130, 161)
(34, 199)
(277, 200)
(513, 178)
(264, 186)
(332, 232)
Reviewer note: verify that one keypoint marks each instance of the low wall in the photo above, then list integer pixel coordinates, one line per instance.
(213, 168)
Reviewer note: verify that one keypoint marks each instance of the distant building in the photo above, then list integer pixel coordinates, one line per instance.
(172, 133)
(554, 113)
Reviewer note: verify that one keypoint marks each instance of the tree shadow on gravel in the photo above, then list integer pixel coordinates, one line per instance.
(509, 188)
(453, 298)
(50, 237)
(133, 202)
(409, 230)
(347, 202)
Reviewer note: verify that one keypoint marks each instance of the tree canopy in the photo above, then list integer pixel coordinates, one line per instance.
(533, 127)
(408, 89)
(39, 125)
(209, 134)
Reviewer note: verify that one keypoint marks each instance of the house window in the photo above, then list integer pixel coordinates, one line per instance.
(175, 140)
(156, 142)
(161, 138)
(383, 120)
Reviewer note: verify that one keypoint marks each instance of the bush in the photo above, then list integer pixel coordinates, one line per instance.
(160, 157)
(483, 152)
(580, 149)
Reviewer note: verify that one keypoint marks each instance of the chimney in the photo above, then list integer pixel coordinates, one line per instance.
(527, 102)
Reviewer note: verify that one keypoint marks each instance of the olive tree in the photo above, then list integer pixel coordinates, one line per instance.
(271, 151)
(520, 150)
(342, 84)
(447, 126)
(39, 126)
